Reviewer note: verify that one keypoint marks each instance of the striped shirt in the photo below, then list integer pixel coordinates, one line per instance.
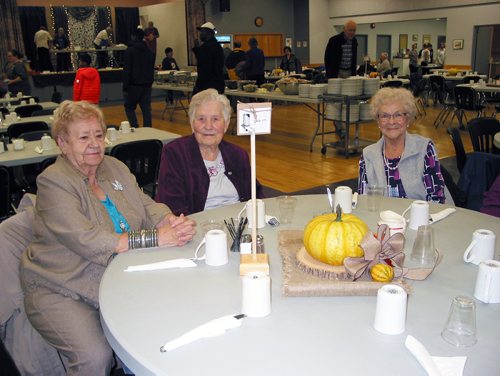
(345, 61)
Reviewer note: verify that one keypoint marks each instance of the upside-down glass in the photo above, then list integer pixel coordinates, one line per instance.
(286, 206)
(423, 251)
(375, 194)
(460, 328)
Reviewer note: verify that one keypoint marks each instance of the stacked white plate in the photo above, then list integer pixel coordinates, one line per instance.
(354, 113)
(317, 90)
(332, 111)
(352, 86)
(364, 111)
(304, 90)
(334, 85)
(370, 85)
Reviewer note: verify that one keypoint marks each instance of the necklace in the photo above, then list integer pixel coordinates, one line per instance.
(214, 170)
(388, 165)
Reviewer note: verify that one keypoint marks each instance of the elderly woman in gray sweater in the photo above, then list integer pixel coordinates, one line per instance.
(405, 164)
(89, 208)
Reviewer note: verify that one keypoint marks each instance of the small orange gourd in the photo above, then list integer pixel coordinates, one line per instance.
(382, 273)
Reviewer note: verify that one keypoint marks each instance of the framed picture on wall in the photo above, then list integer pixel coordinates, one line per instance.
(414, 38)
(426, 38)
(458, 44)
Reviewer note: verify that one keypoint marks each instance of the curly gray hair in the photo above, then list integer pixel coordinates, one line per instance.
(209, 95)
(389, 95)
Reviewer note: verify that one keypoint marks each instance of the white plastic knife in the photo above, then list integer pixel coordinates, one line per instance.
(212, 328)
(441, 215)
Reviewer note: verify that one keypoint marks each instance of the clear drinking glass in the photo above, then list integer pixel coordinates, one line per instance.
(423, 251)
(375, 194)
(286, 206)
(460, 328)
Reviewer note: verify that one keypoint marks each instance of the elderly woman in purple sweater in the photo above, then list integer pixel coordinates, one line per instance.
(202, 171)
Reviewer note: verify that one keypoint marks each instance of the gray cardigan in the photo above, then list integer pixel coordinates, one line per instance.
(411, 166)
(74, 235)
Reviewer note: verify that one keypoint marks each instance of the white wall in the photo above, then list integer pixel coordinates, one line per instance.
(320, 30)
(460, 20)
(418, 27)
(170, 19)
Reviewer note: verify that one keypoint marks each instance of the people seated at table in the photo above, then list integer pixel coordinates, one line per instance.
(384, 65)
(16, 74)
(89, 208)
(234, 59)
(202, 171)
(87, 84)
(366, 67)
(289, 62)
(406, 164)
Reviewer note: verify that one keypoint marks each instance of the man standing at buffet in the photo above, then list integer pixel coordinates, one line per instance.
(341, 52)
(101, 41)
(209, 60)
(43, 41)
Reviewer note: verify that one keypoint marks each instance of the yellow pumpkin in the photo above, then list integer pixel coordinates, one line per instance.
(330, 238)
(382, 273)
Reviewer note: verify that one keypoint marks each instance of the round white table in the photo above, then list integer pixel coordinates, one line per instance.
(141, 311)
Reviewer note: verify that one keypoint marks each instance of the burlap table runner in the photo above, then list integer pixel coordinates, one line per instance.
(298, 283)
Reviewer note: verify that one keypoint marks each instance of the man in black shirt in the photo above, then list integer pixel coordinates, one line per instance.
(210, 60)
(138, 77)
(341, 52)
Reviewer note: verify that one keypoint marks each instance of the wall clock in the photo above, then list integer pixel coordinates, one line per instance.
(259, 21)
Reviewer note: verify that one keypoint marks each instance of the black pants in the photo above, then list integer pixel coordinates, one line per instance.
(138, 95)
(44, 59)
(63, 62)
(102, 57)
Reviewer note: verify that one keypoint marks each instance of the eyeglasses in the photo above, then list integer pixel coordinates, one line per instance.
(397, 116)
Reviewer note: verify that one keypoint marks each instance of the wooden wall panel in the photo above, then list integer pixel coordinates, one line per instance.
(271, 43)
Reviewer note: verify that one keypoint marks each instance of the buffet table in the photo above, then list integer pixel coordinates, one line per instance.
(29, 156)
(141, 311)
(108, 75)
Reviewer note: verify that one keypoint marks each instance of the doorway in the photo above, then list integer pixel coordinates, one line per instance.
(384, 43)
(362, 48)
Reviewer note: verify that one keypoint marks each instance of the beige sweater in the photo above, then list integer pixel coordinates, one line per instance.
(74, 235)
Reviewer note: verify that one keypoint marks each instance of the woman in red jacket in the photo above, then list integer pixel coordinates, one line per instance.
(87, 85)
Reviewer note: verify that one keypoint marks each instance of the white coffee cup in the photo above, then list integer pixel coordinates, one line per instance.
(125, 127)
(18, 143)
(488, 282)
(24, 102)
(343, 197)
(47, 142)
(394, 221)
(481, 248)
(13, 116)
(112, 134)
(261, 213)
(215, 242)
(419, 214)
(32, 101)
(20, 94)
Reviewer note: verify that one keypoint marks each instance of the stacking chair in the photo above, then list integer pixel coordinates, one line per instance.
(437, 88)
(418, 89)
(482, 131)
(27, 110)
(4, 111)
(394, 83)
(4, 193)
(466, 99)
(461, 156)
(16, 129)
(459, 198)
(43, 112)
(143, 160)
(33, 135)
(467, 79)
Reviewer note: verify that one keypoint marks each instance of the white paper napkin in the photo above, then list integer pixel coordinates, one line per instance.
(435, 365)
(168, 264)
